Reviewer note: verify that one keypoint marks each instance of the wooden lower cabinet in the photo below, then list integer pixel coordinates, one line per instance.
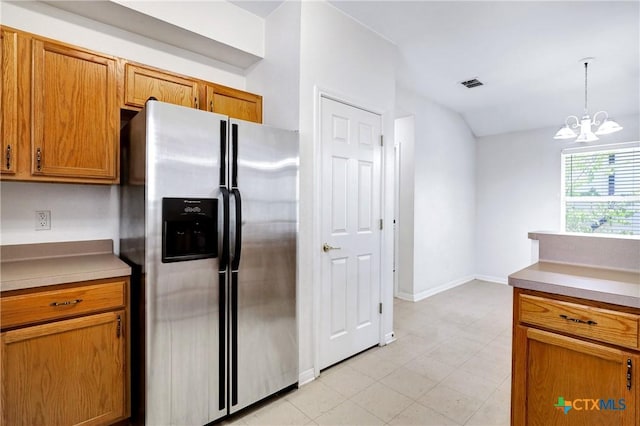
(564, 380)
(70, 371)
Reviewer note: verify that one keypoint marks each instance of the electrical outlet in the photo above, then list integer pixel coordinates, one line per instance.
(43, 220)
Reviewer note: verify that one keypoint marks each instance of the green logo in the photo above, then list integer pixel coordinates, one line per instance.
(563, 405)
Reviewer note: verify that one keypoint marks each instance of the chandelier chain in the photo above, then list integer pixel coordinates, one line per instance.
(585, 87)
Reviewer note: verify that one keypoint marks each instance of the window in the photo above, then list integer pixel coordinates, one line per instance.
(601, 189)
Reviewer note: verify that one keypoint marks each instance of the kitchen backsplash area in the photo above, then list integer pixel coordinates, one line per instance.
(78, 212)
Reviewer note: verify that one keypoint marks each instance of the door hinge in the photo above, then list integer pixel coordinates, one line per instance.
(381, 140)
(380, 307)
(381, 225)
(119, 327)
(629, 366)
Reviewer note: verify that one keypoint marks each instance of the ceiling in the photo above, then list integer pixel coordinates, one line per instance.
(526, 54)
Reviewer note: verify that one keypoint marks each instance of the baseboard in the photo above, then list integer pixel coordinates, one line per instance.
(405, 296)
(497, 280)
(432, 291)
(306, 376)
(444, 287)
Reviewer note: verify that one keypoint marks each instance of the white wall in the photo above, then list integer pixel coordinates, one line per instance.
(78, 212)
(443, 227)
(277, 76)
(405, 142)
(518, 191)
(342, 57)
(86, 212)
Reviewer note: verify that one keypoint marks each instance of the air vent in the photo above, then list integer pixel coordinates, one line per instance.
(474, 82)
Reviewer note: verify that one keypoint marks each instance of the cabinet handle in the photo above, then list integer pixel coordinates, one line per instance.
(118, 327)
(578, 320)
(67, 303)
(629, 365)
(211, 106)
(8, 157)
(38, 159)
(196, 102)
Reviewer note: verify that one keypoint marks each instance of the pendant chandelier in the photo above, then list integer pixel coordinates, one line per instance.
(600, 120)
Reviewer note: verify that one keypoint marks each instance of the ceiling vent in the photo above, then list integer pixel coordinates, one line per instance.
(474, 82)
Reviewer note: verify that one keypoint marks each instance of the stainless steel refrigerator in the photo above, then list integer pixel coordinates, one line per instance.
(209, 225)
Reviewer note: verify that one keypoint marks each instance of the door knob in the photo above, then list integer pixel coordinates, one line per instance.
(326, 247)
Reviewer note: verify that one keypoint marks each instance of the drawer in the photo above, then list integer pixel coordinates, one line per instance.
(599, 324)
(49, 305)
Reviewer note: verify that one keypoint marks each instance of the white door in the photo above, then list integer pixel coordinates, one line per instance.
(351, 222)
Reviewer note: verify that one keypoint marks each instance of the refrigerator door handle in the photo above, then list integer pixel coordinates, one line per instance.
(222, 302)
(235, 262)
(234, 339)
(223, 153)
(226, 225)
(234, 155)
(222, 347)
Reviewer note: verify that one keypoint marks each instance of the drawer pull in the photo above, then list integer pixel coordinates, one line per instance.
(578, 320)
(68, 302)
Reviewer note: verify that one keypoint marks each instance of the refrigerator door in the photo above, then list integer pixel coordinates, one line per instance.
(263, 332)
(183, 341)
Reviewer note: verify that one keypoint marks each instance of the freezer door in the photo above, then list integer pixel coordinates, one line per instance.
(263, 332)
(183, 305)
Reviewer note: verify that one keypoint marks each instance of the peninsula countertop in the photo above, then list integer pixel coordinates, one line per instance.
(35, 265)
(599, 284)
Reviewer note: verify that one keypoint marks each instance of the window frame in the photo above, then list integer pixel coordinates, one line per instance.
(563, 192)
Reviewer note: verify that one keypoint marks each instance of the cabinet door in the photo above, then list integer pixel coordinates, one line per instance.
(65, 373)
(9, 93)
(75, 129)
(568, 381)
(234, 103)
(141, 83)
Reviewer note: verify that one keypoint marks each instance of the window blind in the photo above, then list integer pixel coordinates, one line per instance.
(601, 191)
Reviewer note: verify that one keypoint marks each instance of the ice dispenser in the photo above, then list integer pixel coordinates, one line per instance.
(189, 229)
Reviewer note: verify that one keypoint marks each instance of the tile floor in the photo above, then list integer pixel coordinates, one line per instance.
(450, 365)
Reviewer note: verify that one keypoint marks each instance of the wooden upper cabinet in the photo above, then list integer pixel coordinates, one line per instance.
(142, 82)
(9, 98)
(75, 116)
(234, 103)
(60, 107)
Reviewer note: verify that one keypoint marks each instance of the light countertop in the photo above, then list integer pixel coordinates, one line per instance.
(35, 265)
(599, 284)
